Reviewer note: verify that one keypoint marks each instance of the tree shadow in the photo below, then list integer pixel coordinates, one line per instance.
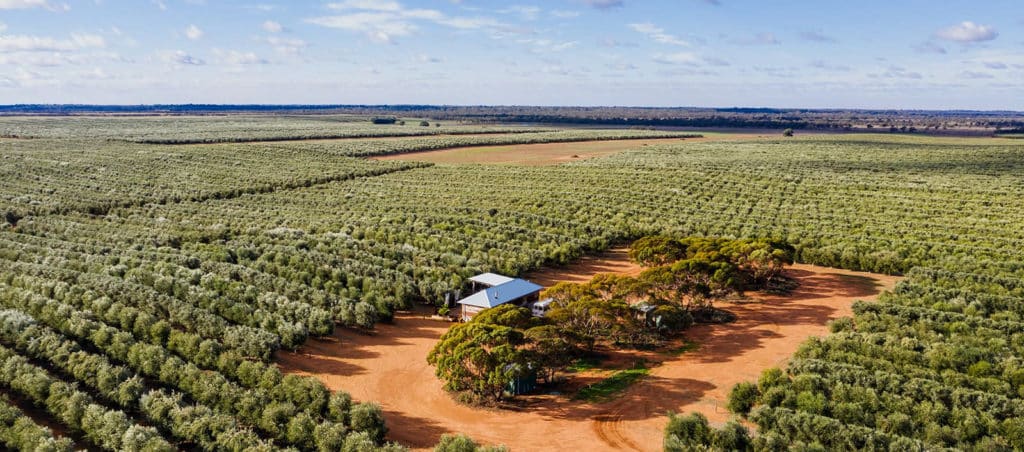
(413, 431)
(823, 285)
(653, 396)
(342, 352)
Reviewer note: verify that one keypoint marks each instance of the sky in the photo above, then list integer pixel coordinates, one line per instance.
(904, 54)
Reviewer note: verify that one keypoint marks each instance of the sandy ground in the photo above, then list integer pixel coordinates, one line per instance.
(389, 366)
(612, 261)
(545, 153)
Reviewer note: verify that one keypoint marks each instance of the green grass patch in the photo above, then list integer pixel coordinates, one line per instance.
(687, 346)
(582, 364)
(608, 388)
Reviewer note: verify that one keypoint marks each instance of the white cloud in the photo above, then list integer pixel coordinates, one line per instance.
(763, 38)
(26, 43)
(898, 72)
(677, 58)
(3, 27)
(526, 12)
(548, 46)
(816, 36)
(995, 65)
(820, 64)
(182, 58)
(26, 77)
(160, 4)
(930, 47)
(565, 14)
(716, 61)
(261, 7)
(286, 46)
(367, 5)
(28, 4)
(968, 32)
(193, 32)
(383, 21)
(94, 74)
(975, 75)
(658, 34)
(604, 4)
(469, 23)
(53, 59)
(621, 66)
(377, 26)
(272, 27)
(235, 57)
(423, 58)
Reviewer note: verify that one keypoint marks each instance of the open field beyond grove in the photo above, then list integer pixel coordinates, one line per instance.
(211, 283)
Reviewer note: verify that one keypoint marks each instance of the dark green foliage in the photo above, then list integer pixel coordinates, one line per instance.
(732, 437)
(463, 443)
(338, 407)
(685, 432)
(482, 357)
(19, 432)
(742, 398)
(105, 428)
(456, 443)
(368, 418)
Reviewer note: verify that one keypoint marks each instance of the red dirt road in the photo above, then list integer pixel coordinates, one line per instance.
(390, 367)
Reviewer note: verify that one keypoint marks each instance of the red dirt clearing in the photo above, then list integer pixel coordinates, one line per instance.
(611, 261)
(390, 367)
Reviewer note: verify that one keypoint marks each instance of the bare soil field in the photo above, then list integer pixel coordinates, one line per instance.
(544, 153)
(389, 366)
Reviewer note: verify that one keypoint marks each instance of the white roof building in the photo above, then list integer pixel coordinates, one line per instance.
(504, 290)
(491, 279)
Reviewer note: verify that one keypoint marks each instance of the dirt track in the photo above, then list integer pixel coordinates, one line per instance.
(390, 367)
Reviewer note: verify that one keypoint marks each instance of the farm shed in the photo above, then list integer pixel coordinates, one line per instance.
(507, 290)
(484, 280)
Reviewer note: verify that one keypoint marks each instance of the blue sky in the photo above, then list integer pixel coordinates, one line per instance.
(796, 53)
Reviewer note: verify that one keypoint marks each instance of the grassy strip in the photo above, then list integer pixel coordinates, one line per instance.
(585, 363)
(686, 346)
(606, 389)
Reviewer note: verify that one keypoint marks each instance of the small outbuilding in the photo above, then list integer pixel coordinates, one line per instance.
(485, 280)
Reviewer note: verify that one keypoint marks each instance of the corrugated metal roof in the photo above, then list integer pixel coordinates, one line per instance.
(491, 279)
(501, 294)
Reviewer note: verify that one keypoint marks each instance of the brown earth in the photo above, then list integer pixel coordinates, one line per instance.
(389, 366)
(612, 261)
(544, 153)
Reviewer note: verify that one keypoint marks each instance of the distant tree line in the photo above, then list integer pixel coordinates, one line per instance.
(759, 118)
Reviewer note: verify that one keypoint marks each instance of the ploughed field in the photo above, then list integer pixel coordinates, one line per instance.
(145, 286)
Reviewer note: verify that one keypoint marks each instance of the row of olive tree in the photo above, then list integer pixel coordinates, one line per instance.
(107, 429)
(19, 432)
(253, 407)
